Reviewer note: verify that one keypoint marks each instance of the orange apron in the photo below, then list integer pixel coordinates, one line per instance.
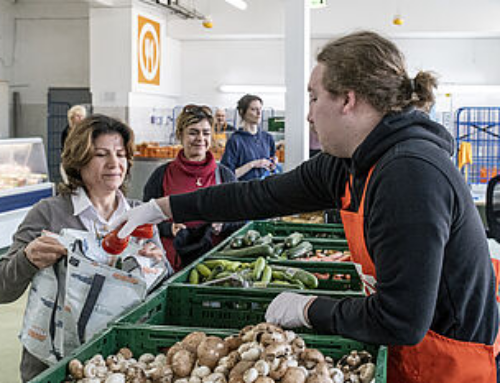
(435, 359)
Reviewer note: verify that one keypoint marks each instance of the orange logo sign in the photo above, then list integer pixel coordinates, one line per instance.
(149, 51)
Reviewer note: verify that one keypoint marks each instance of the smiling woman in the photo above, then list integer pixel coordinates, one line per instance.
(193, 168)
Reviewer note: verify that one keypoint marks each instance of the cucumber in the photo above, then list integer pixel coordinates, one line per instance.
(278, 249)
(232, 266)
(215, 272)
(258, 269)
(236, 242)
(265, 240)
(194, 277)
(250, 237)
(292, 274)
(211, 263)
(278, 275)
(267, 274)
(252, 251)
(293, 240)
(203, 270)
(299, 251)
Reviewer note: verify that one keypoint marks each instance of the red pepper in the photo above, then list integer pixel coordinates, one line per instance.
(112, 244)
(144, 231)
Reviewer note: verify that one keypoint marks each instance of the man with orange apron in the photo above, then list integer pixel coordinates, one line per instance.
(409, 218)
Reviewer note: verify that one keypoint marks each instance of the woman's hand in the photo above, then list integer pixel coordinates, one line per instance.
(150, 250)
(263, 163)
(45, 251)
(176, 227)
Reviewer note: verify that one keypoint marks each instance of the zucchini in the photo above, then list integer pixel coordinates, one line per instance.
(293, 275)
(258, 269)
(236, 242)
(194, 277)
(299, 251)
(203, 270)
(278, 249)
(267, 274)
(265, 240)
(278, 275)
(252, 251)
(211, 263)
(250, 237)
(215, 272)
(293, 240)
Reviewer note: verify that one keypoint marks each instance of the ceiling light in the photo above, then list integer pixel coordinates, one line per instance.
(252, 89)
(240, 4)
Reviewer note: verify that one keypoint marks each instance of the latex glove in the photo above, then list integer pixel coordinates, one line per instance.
(288, 310)
(146, 213)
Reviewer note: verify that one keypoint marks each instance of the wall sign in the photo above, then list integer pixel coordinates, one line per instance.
(149, 51)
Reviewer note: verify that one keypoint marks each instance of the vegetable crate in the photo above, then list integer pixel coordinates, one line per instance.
(180, 303)
(236, 307)
(155, 339)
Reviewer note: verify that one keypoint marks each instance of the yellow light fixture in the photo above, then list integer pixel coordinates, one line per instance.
(398, 20)
(208, 22)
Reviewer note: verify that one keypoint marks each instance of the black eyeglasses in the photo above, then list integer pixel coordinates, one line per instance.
(197, 110)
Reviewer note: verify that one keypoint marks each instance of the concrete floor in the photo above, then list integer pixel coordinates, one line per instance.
(11, 318)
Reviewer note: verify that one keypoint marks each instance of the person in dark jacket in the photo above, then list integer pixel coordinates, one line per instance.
(250, 151)
(409, 218)
(193, 168)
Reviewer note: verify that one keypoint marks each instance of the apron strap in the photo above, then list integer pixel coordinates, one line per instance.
(88, 307)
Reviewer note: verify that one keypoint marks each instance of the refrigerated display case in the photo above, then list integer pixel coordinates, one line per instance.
(23, 182)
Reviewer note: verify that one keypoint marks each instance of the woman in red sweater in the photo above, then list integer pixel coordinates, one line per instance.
(192, 169)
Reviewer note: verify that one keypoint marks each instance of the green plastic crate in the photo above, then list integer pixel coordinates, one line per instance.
(276, 124)
(196, 305)
(236, 307)
(154, 339)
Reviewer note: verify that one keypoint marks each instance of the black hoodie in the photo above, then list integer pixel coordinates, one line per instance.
(421, 229)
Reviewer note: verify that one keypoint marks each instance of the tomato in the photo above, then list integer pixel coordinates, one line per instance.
(112, 244)
(144, 231)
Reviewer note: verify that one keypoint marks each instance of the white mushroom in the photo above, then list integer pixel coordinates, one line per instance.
(262, 367)
(115, 378)
(252, 354)
(337, 375)
(90, 370)
(215, 378)
(250, 375)
(201, 371)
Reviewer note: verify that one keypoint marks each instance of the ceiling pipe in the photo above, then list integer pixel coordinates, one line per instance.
(180, 10)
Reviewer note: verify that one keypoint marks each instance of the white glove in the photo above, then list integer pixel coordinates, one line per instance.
(287, 310)
(146, 213)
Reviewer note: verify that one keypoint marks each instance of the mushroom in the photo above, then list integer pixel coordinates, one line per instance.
(264, 379)
(193, 340)
(277, 350)
(201, 371)
(318, 378)
(146, 358)
(236, 374)
(353, 359)
(233, 342)
(294, 375)
(337, 375)
(250, 375)
(75, 368)
(210, 350)
(90, 370)
(262, 367)
(125, 352)
(182, 363)
(172, 351)
(115, 378)
(298, 345)
(366, 372)
(215, 378)
(310, 357)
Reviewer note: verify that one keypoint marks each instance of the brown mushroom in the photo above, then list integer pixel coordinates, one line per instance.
(125, 352)
(294, 375)
(366, 372)
(75, 368)
(236, 374)
(193, 340)
(210, 350)
(233, 342)
(172, 351)
(311, 357)
(182, 363)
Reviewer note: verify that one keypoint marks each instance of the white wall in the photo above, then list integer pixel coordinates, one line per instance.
(209, 64)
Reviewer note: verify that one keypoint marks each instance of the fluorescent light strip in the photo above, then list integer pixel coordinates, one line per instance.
(252, 89)
(240, 4)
